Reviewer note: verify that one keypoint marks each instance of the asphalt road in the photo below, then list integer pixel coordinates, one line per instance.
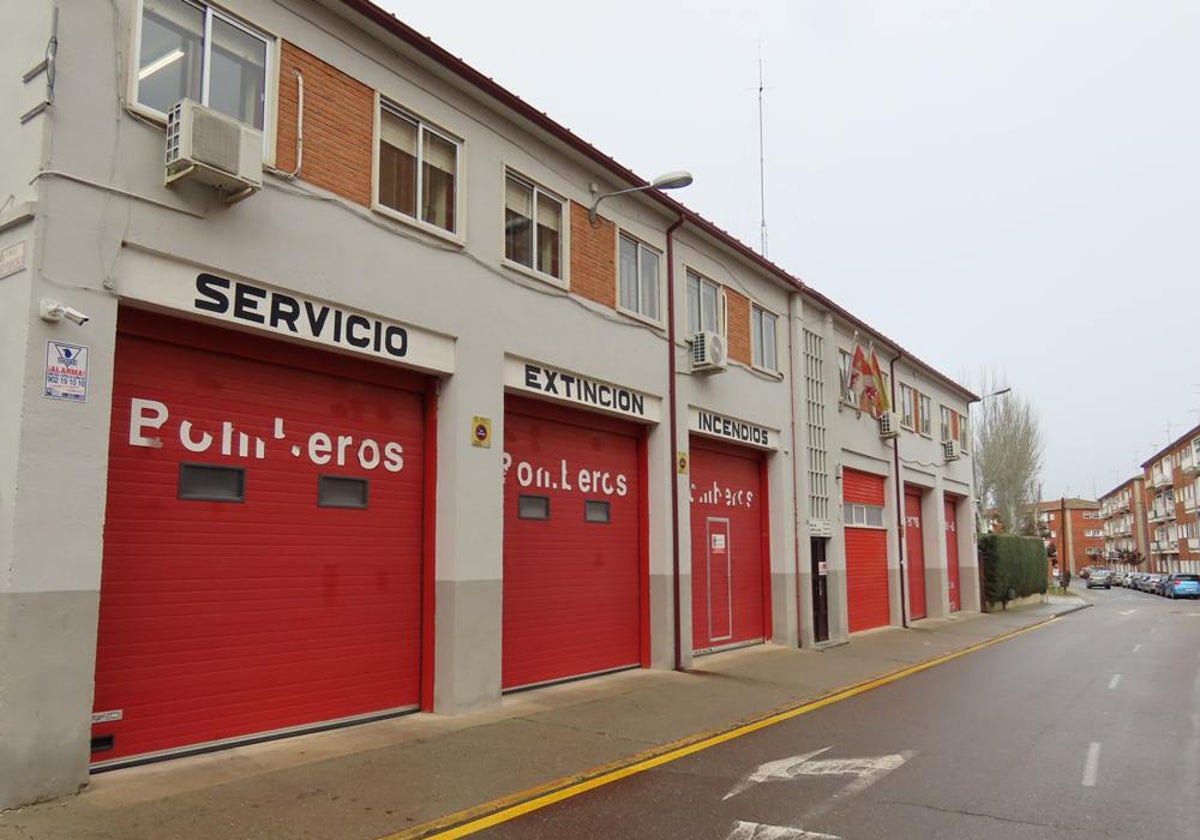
(1088, 727)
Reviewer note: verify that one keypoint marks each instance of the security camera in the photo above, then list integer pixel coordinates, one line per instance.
(52, 311)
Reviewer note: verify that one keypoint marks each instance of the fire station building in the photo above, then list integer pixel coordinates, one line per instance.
(338, 385)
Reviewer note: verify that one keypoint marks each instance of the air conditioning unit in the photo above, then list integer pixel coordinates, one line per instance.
(206, 146)
(889, 424)
(709, 352)
(951, 451)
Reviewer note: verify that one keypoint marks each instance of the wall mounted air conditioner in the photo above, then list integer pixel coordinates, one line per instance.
(889, 424)
(206, 146)
(709, 352)
(951, 451)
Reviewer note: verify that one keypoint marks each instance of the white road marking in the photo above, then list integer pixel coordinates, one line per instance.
(1136, 648)
(1092, 765)
(1129, 612)
(785, 769)
(1115, 681)
(759, 831)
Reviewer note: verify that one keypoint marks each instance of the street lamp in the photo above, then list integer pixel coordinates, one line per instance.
(669, 181)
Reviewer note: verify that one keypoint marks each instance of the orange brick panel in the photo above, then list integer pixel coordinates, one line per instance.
(339, 123)
(593, 257)
(738, 308)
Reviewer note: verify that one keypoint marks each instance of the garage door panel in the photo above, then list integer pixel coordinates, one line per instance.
(269, 612)
(914, 545)
(571, 587)
(728, 585)
(866, 556)
(952, 570)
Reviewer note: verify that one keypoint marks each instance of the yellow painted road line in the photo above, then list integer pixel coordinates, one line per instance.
(473, 820)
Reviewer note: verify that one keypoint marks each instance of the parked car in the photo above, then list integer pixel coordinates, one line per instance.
(1154, 583)
(1138, 581)
(1099, 578)
(1085, 572)
(1182, 586)
(1118, 578)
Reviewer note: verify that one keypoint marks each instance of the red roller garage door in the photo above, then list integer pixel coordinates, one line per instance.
(866, 551)
(952, 554)
(264, 540)
(914, 546)
(574, 561)
(730, 581)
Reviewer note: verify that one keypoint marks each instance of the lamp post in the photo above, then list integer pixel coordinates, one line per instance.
(669, 181)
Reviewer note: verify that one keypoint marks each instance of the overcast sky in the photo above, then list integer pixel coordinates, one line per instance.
(1008, 185)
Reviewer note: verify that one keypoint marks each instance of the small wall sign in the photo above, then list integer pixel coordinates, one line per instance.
(66, 371)
(12, 259)
(481, 432)
(681, 463)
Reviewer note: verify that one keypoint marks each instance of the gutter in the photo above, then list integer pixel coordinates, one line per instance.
(901, 532)
(673, 415)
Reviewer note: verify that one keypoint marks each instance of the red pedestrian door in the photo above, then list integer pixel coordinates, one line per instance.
(574, 570)
(866, 550)
(730, 601)
(263, 542)
(914, 547)
(952, 555)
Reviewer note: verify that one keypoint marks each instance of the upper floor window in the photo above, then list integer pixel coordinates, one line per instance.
(964, 433)
(947, 429)
(907, 417)
(703, 304)
(533, 223)
(639, 278)
(925, 414)
(762, 336)
(418, 170)
(189, 50)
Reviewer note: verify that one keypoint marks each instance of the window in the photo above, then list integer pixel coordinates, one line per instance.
(925, 415)
(639, 278)
(533, 507)
(189, 50)
(599, 512)
(762, 334)
(533, 223)
(418, 170)
(869, 516)
(906, 407)
(210, 483)
(846, 369)
(964, 436)
(335, 491)
(947, 428)
(703, 305)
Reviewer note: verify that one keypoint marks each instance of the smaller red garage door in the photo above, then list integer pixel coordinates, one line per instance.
(574, 578)
(952, 553)
(866, 551)
(730, 580)
(914, 547)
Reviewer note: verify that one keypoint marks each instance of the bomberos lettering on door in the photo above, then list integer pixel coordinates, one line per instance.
(153, 425)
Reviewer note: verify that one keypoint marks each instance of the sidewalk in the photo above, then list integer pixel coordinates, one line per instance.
(394, 776)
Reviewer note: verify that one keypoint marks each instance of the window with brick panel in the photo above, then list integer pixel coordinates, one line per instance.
(418, 170)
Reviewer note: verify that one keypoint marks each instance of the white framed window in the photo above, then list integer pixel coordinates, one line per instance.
(705, 305)
(845, 371)
(907, 415)
(924, 414)
(533, 226)
(417, 170)
(638, 278)
(964, 433)
(188, 49)
(866, 516)
(762, 338)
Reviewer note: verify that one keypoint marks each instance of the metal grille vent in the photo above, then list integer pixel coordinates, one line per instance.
(215, 141)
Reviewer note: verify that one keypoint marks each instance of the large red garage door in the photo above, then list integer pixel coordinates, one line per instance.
(263, 543)
(730, 581)
(573, 544)
(952, 554)
(914, 546)
(866, 551)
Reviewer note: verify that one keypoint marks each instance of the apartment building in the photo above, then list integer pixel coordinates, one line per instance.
(342, 383)
(1172, 481)
(1123, 509)
(1076, 528)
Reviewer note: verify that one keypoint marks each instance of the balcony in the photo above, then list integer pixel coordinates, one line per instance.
(1157, 479)
(1120, 504)
(1193, 544)
(1163, 513)
(1190, 462)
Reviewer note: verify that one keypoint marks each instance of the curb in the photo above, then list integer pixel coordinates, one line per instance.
(479, 817)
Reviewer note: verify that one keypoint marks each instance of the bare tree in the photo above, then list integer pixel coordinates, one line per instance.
(1008, 453)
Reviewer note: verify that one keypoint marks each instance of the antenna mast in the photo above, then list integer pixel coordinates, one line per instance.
(762, 180)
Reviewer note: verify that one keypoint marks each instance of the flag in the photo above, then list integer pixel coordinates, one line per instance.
(864, 375)
(885, 402)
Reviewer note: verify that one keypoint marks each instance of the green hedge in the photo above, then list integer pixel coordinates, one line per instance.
(1013, 567)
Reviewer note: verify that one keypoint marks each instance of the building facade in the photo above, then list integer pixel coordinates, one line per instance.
(1126, 536)
(375, 408)
(1076, 528)
(1172, 481)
